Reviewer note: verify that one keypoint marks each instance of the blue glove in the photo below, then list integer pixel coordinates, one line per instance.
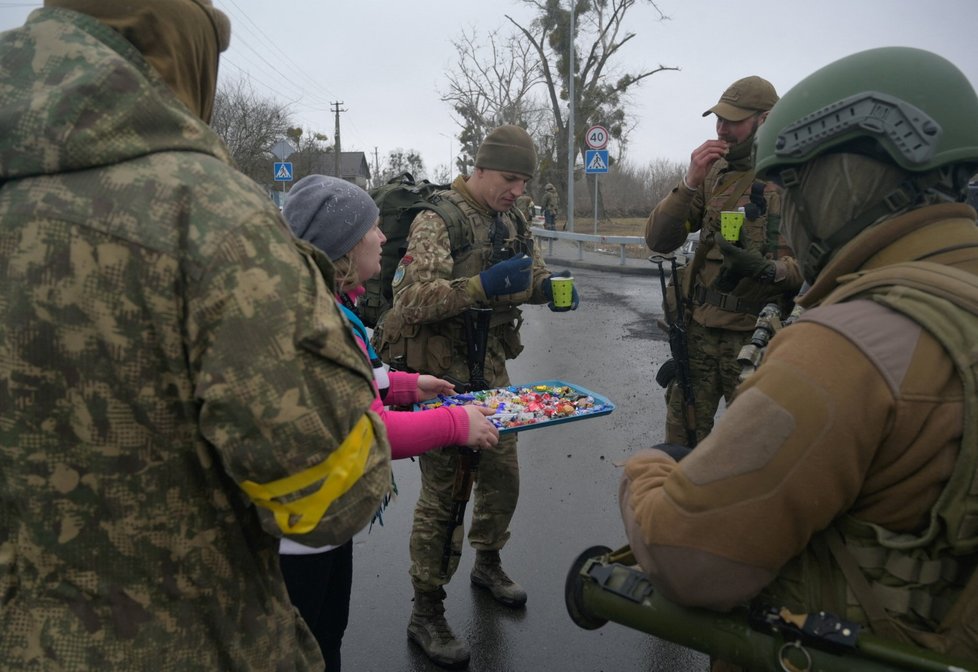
(507, 277)
(548, 292)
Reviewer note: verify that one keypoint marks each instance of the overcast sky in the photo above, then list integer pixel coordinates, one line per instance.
(385, 60)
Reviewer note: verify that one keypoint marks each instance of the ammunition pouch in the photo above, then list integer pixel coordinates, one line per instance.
(440, 347)
(508, 334)
(417, 347)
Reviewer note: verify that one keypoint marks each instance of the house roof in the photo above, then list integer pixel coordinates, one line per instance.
(352, 164)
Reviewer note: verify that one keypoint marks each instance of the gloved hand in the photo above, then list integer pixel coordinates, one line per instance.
(507, 277)
(548, 291)
(758, 204)
(739, 263)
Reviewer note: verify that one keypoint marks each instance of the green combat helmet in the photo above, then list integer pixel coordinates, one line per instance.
(898, 105)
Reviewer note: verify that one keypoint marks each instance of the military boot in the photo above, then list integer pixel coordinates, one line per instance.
(429, 630)
(488, 573)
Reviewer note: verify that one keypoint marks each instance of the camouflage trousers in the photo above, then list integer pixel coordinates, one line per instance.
(715, 374)
(493, 502)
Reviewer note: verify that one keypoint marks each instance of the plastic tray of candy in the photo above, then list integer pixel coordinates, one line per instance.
(540, 404)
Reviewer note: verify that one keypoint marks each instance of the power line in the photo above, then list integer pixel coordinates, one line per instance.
(242, 19)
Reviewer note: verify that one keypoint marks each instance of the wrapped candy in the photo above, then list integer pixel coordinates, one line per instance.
(519, 406)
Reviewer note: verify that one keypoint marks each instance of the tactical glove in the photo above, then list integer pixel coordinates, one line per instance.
(548, 291)
(739, 263)
(507, 277)
(758, 204)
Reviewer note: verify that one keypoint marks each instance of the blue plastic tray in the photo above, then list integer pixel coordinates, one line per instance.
(602, 406)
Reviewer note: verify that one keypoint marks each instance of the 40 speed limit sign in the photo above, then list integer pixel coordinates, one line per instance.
(597, 137)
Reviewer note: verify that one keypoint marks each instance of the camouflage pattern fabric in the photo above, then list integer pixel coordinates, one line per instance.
(432, 289)
(164, 343)
(683, 211)
(494, 498)
(713, 360)
(715, 374)
(525, 205)
(434, 285)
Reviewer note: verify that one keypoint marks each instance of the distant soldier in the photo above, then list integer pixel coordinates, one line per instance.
(525, 205)
(551, 206)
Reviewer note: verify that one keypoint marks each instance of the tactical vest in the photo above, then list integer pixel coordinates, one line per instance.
(738, 310)
(438, 347)
(921, 588)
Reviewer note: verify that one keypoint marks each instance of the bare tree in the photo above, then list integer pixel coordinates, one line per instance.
(312, 152)
(249, 126)
(491, 86)
(401, 161)
(630, 191)
(600, 86)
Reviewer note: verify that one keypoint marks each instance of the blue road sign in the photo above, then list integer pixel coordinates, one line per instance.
(596, 161)
(282, 171)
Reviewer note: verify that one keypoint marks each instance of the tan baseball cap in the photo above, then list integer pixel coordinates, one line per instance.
(745, 97)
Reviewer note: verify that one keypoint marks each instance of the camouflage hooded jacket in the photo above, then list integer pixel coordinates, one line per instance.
(170, 358)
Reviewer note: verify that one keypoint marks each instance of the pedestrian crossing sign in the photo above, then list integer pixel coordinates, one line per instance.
(282, 171)
(596, 161)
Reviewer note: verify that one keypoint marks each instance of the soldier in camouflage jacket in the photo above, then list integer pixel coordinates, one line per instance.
(177, 387)
(424, 330)
(727, 284)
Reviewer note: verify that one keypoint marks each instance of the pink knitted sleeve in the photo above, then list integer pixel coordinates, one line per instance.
(413, 433)
(403, 389)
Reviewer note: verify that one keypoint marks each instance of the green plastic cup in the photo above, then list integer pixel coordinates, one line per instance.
(730, 223)
(563, 291)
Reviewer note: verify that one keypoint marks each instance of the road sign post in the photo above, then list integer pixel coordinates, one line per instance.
(282, 172)
(595, 162)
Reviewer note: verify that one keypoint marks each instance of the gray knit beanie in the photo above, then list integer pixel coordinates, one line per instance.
(330, 213)
(509, 149)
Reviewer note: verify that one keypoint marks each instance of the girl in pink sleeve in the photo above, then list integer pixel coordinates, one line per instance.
(343, 221)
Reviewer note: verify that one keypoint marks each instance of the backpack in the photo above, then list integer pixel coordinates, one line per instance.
(400, 200)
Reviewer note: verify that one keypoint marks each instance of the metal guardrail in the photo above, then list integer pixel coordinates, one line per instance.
(581, 238)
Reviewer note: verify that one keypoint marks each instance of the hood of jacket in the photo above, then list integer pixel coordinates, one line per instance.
(76, 95)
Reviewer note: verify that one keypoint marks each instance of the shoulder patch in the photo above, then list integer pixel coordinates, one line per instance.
(398, 275)
(406, 260)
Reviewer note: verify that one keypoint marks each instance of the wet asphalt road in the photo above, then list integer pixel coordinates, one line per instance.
(568, 502)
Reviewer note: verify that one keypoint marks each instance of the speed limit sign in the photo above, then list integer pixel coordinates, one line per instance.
(597, 137)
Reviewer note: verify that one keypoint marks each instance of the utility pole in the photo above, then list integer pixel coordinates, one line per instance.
(376, 167)
(336, 143)
(571, 144)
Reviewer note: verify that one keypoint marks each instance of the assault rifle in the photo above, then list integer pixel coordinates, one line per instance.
(476, 337)
(679, 346)
(604, 585)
